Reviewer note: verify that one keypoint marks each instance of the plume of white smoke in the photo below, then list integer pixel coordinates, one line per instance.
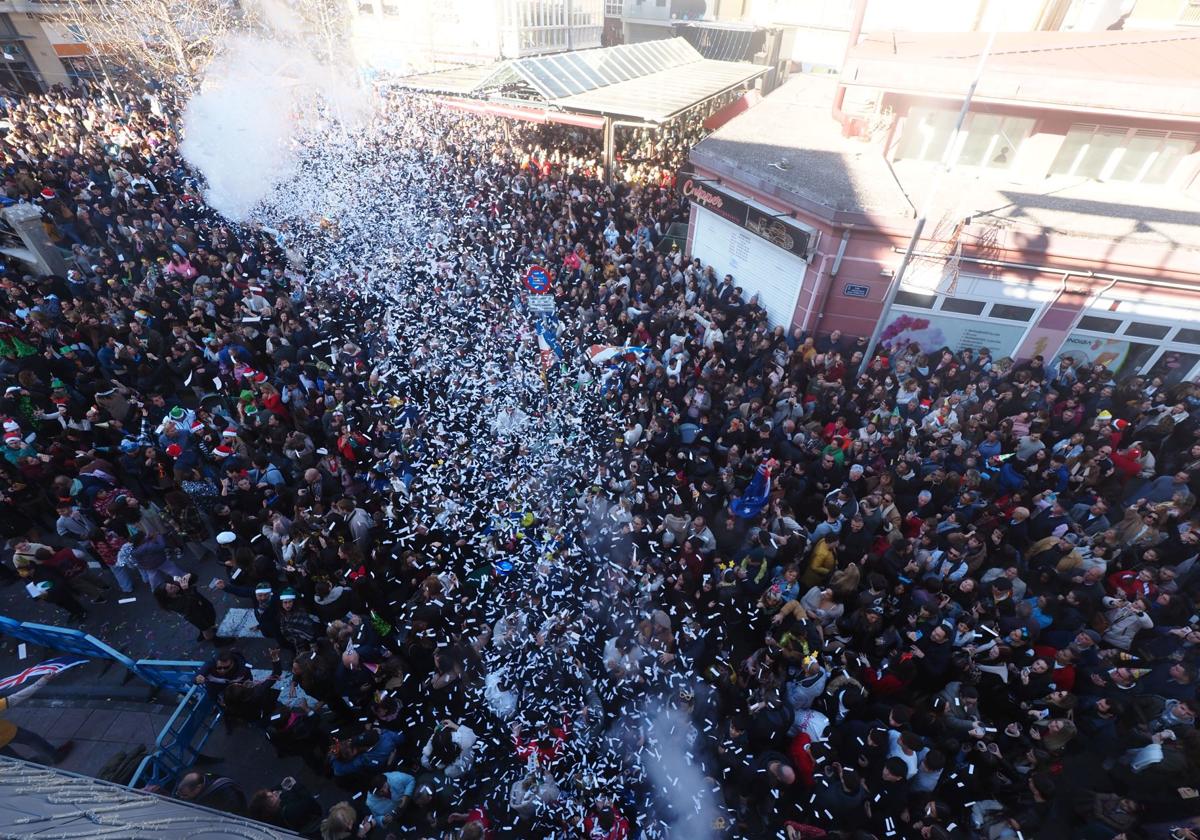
(683, 798)
(263, 97)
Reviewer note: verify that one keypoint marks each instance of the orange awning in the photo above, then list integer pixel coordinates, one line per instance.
(72, 50)
(743, 103)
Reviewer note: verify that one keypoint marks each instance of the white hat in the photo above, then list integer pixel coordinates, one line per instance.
(226, 537)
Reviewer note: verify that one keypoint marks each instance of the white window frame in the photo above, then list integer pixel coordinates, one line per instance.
(1166, 344)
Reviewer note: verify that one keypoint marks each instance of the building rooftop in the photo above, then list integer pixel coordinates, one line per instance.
(651, 81)
(790, 146)
(1146, 74)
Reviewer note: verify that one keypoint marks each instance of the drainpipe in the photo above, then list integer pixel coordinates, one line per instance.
(1045, 269)
(856, 22)
(1044, 308)
(833, 270)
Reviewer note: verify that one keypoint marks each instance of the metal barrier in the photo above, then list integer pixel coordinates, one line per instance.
(177, 675)
(183, 736)
(65, 639)
(174, 675)
(180, 742)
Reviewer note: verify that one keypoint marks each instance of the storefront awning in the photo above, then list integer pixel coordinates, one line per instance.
(495, 109)
(740, 105)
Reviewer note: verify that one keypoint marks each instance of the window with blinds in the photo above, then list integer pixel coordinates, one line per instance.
(1112, 153)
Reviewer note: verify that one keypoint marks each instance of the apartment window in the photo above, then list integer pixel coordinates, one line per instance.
(390, 7)
(987, 141)
(926, 133)
(366, 7)
(991, 140)
(1188, 336)
(1110, 153)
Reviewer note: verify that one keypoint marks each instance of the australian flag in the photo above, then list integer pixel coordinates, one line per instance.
(751, 503)
(51, 666)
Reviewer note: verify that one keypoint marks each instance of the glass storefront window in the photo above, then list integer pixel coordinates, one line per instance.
(1173, 366)
(1121, 357)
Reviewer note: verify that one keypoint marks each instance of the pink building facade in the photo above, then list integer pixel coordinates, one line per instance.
(1068, 222)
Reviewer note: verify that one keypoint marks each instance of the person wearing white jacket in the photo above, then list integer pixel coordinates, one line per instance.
(450, 749)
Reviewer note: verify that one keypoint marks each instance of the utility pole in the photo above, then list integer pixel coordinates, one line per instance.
(944, 167)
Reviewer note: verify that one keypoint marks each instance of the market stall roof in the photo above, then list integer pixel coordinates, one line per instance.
(652, 81)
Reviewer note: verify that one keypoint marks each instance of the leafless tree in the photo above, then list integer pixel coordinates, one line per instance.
(170, 41)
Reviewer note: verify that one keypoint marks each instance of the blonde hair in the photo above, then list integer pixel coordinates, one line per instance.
(340, 822)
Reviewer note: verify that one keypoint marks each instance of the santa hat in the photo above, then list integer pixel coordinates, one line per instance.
(177, 413)
(288, 594)
(174, 450)
(12, 426)
(262, 589)
(223, 451)
(197, 427)
(49, 194)
(1120, 425)
(12, 436)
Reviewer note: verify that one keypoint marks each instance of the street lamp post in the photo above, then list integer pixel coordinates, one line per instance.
(944, 167)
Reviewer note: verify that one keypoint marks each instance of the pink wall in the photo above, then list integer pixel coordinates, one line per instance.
(873, 248)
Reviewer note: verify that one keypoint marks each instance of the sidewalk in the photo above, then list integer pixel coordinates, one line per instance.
(103, 728)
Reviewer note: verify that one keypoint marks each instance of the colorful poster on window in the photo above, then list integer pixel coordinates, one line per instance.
(933, 330)
(1089, 350)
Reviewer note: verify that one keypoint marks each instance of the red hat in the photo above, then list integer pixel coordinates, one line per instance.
(48, 193)
(1120, 425)
(223, 451)
(174, 450)
(197, 427)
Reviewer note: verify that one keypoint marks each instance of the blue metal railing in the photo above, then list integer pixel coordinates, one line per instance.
(174, 675)
(183, 736)
(180, 742)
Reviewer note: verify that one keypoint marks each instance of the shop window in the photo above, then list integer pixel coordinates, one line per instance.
(965, 307)
(1141, 330)
(1102, 325)
(1173, 366)
(917, 299)
(1009, 312)
(1137, 357)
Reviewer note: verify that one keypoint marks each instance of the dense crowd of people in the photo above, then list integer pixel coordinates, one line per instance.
(647, 566)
